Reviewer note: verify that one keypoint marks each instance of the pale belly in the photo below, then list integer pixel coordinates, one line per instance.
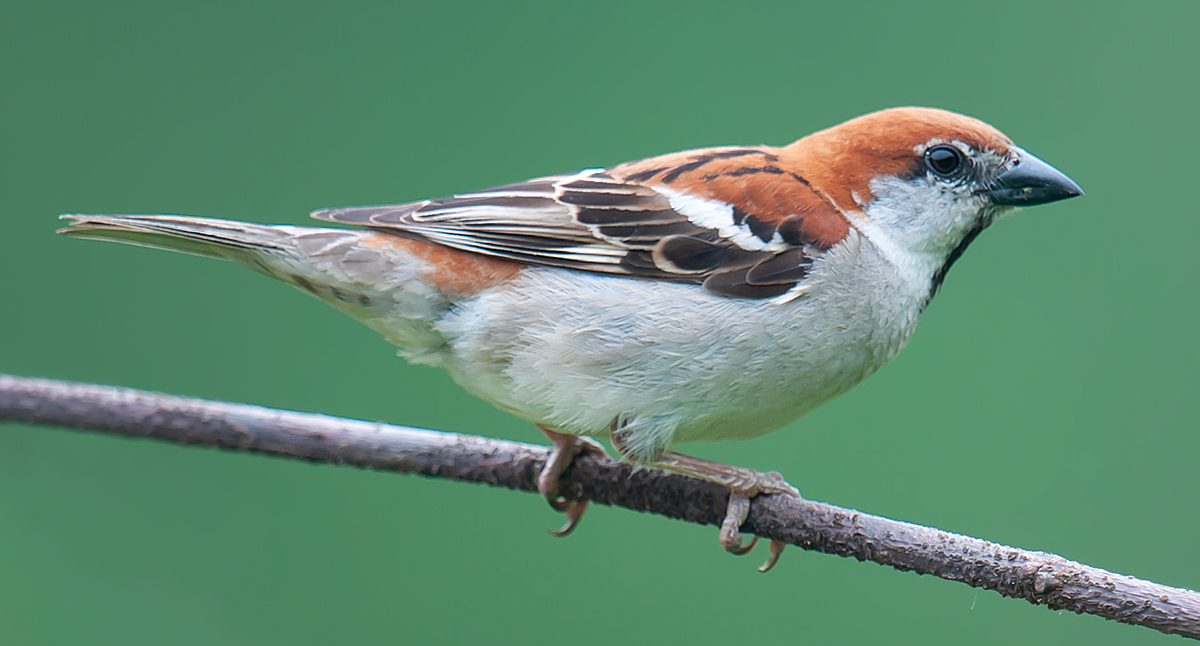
(670, 362)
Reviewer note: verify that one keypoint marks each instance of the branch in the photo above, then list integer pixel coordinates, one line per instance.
(1037, 577)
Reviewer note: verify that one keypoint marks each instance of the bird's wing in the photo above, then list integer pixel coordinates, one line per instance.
(725, 217)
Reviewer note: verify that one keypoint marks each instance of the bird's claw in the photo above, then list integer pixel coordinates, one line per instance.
(775, 548)
(730, 535)
(742, 550)
(566, 448)
(574, 511)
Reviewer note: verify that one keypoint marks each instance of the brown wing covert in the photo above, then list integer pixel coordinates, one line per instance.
(756, 237)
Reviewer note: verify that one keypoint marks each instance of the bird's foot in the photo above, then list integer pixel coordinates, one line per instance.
(730, 537)
(566, 448)
(743, 484)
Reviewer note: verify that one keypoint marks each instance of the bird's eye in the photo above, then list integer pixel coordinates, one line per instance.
(943, 160)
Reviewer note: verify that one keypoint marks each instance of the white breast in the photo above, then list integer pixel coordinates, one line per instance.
(672, 362)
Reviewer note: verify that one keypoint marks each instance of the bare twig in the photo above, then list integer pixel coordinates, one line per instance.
(1037, 577)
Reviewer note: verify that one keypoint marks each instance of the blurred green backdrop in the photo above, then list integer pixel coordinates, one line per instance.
(1046, 401)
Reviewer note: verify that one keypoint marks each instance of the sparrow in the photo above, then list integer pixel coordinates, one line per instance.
(702, 295)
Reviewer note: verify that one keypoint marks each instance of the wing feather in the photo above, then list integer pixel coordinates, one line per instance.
(743, 243)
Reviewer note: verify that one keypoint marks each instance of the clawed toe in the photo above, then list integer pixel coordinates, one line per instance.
(731, 538)
(574, 512)
(742, 550)
(548, 485)
(744, 485)
(566, 449)
(776, 548)
(735, 514)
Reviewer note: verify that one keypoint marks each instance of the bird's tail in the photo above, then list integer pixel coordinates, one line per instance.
(378, 284)
(199, 236)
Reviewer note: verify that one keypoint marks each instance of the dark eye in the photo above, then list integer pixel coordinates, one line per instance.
(943, 160)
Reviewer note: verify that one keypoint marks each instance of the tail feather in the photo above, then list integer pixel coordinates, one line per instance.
(198, 236)
(381, 285)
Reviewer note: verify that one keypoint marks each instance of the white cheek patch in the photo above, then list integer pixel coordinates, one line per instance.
(920, 214)
(714, 214)
(916, 223)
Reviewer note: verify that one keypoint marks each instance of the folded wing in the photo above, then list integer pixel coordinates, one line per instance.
(702, 217)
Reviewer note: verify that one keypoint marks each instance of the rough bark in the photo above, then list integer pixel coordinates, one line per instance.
(1037, 577)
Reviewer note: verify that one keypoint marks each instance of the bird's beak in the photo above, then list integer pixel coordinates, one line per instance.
(1031, 181)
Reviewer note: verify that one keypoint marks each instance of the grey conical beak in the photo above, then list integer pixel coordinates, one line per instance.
(1031, 181)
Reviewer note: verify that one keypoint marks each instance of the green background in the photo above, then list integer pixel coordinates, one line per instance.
(1047, 401)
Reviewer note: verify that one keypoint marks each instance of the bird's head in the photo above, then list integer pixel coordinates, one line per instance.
(926, 180)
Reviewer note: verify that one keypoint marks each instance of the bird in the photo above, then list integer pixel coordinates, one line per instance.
(709, 294)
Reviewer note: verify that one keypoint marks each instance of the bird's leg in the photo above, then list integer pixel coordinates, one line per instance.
(566, 448)
(743, 484)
